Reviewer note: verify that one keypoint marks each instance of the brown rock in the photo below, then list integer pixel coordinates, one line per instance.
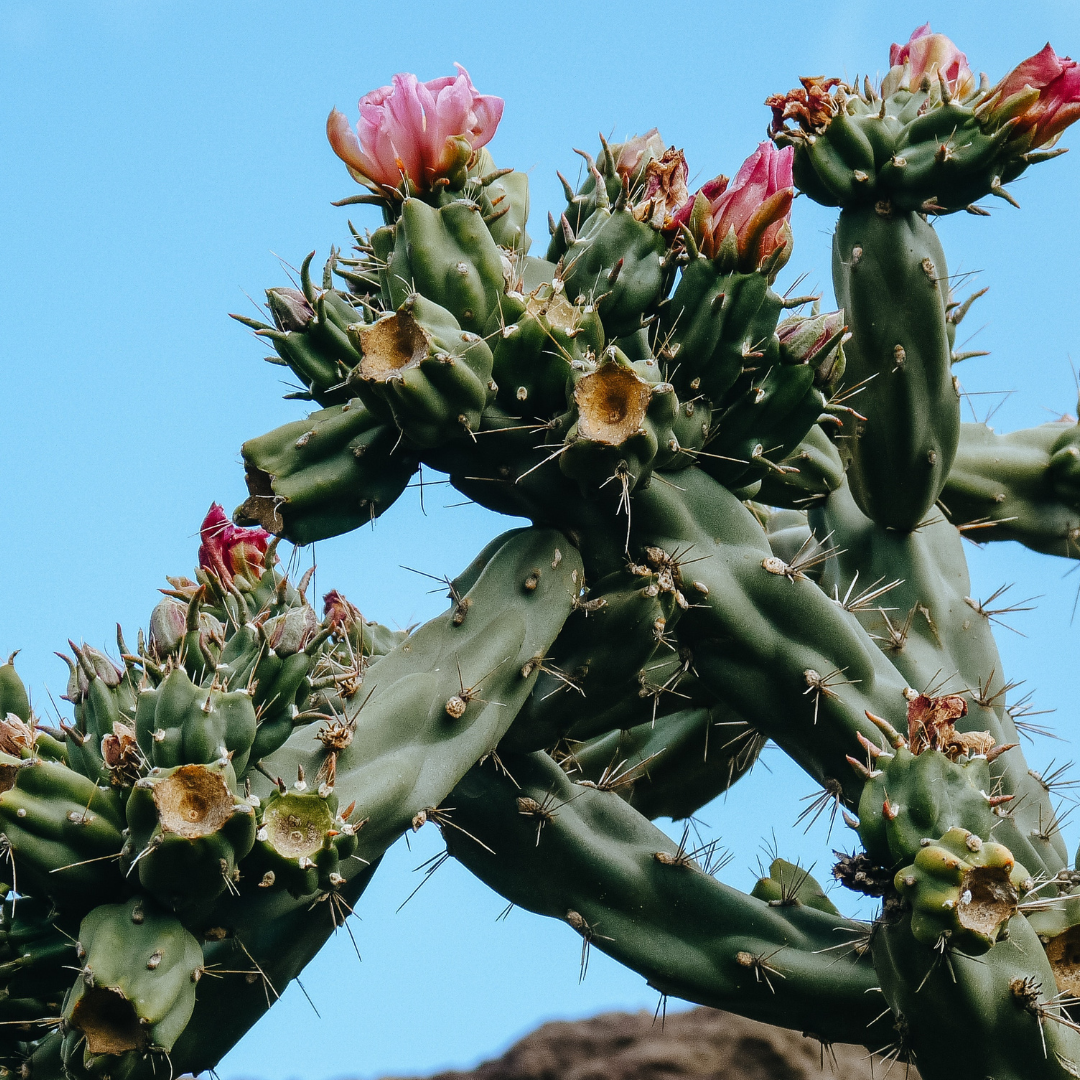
(702, 1044)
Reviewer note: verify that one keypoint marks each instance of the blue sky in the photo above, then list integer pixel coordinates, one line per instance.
(158, 160)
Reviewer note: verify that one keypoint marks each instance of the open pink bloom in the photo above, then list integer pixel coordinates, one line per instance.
(416, 131)
(927, 53)
(229, 550)
(748, 217)
(1057, 81)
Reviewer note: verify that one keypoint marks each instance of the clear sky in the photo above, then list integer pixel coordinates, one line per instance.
(159, 157)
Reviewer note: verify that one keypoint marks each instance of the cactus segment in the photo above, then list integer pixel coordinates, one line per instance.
(1021, 486)
(319, 477)
(1003, 1000)
(789, 883)
(673, 765)
(630, 891)
(63, 832)
(443, 698)
(889, 274)
(136, 989)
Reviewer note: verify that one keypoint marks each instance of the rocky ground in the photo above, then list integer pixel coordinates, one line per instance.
(702, 1044)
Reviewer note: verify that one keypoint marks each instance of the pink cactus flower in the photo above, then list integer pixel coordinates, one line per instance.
(414, 131)
(1050, 85)
(930, 54)
(749, 217)
(230, 551)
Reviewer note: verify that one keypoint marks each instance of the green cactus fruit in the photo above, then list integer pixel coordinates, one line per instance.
(619, 264)
(326, 475)
(596, 658)
(64, 833)
(136, 990)
(928, 148)
(301, 842)
(889, 274)
(104, 696)
(619, 427)
(535, 339)
(308, 335)
(673, 765)
(179, 723)
(962, 888)
(618, 165)
(434, 376)
(447, 256)
(13, 696)
(715, 326)
(789, 884)
(1021, 486)
(913, 797)
(188, 830)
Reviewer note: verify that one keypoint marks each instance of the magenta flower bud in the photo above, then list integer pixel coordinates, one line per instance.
(290, 308)
(1041, 96)
(815, 340)
(340, 613)
(932, 56)
(415, 133)
(230, 551)
(745, 223)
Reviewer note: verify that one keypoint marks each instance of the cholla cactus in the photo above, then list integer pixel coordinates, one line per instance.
(704, 490)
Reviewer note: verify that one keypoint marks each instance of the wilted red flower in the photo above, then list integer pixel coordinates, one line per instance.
(931, 55)
(229, 550)
(415, 131)
(749, 217)
(811, 106)
(665, 189)
(1042, 94)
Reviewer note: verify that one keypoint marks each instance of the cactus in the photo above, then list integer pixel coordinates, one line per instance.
(724, 546)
